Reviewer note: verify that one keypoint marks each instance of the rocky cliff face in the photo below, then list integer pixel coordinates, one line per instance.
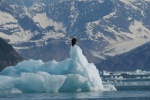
(8, 55)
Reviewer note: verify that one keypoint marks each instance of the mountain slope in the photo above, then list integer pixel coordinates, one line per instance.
(8, 55)
(138, 58)
(104, 28)
(28, 3)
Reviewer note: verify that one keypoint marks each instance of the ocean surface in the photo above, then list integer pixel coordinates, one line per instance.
(129, 85)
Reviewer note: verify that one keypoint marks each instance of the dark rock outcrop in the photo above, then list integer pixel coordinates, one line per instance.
(8, 55)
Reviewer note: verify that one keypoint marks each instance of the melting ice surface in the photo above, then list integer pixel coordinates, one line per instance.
(74, 74)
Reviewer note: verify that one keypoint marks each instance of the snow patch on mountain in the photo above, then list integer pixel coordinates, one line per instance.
(53, 35)
(130, 3)
(6, 17)
(73, 14)
(147, 0)
(11, 30)
(124, 47)
(101, 1)
(139, 35)
(38, 6)
(43, 20)
(139, 30)
(18, 38)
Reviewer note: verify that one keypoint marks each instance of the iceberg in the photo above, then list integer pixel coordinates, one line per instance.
(73, 74)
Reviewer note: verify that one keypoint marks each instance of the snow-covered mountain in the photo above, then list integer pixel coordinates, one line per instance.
(103, 28)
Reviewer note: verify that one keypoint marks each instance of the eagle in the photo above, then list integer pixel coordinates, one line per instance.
(74, 41)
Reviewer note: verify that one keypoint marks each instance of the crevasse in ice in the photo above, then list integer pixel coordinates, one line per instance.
(74, 74)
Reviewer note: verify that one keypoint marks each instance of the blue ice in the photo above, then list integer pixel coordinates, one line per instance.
(73, 74)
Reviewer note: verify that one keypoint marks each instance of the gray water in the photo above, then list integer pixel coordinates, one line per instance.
(129, 87)
(116, 95)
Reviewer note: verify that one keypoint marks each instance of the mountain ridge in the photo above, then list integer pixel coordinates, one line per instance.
(104, 28)
(137, 58)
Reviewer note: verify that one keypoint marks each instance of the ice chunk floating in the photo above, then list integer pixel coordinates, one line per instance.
(74, 74)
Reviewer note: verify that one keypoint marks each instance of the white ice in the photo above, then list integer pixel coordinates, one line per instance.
(74, 74)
